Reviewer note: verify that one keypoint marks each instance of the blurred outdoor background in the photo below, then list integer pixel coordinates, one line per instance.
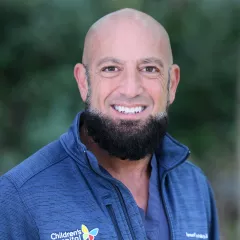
(40, 42)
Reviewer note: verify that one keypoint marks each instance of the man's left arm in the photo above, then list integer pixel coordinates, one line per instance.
(213, 216)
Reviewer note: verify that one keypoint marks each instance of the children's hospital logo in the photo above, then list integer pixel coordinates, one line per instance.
(83, 234)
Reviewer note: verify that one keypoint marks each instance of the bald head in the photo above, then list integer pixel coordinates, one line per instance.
(129, 19)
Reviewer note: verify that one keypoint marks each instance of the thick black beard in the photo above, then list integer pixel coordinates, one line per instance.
(125, 139)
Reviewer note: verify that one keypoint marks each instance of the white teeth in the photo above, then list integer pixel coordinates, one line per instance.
(127, 110)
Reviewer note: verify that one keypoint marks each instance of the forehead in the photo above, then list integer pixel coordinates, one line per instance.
(128, 40)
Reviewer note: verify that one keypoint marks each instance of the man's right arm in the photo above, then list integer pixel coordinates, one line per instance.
(15, 220)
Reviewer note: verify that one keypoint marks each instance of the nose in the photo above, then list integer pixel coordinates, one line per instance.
(131, 84)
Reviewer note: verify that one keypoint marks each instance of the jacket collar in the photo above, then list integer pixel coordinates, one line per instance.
(170, 154)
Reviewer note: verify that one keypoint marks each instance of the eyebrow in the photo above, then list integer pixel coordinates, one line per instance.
(152, 60)
(142, 61)
(109, 59)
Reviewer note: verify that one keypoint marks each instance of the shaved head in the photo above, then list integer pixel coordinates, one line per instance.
(129, 19)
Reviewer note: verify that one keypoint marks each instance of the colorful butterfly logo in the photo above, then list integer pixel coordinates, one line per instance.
(89, 235)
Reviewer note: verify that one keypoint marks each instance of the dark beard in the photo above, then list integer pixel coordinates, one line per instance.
(125, 139)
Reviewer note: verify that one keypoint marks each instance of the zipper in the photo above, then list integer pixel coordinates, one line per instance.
(163, 198)
(122, 202)
(166, 208)
(114, 221)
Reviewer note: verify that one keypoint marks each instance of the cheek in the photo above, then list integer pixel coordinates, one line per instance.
(101, 89)
(159, 94)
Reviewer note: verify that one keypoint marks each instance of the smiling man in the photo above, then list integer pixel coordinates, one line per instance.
(116, 174)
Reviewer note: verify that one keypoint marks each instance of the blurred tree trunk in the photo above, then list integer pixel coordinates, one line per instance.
(238, 140)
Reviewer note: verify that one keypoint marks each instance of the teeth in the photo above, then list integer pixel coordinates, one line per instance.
(127, 110)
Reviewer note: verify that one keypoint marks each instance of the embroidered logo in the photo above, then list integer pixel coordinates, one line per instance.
(83, 234)
(89, 235)
(196, 235)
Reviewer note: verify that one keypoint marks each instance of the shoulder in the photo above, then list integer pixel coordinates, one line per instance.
(189, 170)
(189, 177)
(37, 163)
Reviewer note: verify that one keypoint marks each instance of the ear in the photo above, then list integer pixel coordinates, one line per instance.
(81, 78)
(174, 80)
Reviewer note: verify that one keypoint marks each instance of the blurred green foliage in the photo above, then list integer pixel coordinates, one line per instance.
(42, 40)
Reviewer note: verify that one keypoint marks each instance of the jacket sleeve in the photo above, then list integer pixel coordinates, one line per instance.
(214, 233)
(15, 220)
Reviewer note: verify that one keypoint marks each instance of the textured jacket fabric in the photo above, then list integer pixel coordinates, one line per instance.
(60, 193)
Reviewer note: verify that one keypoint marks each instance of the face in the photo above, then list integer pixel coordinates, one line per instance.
(129, 69)
(127, 88)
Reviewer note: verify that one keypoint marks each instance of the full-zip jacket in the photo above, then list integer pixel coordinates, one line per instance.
(60, 193)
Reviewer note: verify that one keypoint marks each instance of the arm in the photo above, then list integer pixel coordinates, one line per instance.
(213, 218)
(15, 220)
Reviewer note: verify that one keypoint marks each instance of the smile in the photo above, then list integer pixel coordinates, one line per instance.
(129, 110)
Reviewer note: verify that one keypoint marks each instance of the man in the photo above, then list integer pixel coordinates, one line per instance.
(116, 174)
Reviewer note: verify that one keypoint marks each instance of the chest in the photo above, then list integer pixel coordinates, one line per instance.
(86, 215)
(140, 193)
(102, 210)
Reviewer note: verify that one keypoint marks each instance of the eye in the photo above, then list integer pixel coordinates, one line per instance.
(151, 69)
(110, 69)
